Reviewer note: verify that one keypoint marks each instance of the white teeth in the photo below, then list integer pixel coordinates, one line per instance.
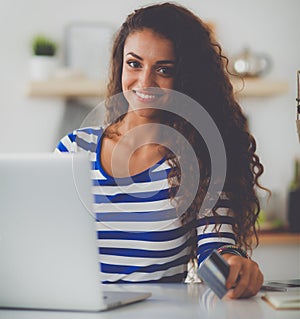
(144, 96)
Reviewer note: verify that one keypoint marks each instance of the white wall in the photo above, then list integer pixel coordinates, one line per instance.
(272, 27)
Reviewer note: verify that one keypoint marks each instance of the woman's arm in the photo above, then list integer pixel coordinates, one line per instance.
(215, 232)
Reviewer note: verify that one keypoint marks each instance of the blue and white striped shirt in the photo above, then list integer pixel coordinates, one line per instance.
(139, 235)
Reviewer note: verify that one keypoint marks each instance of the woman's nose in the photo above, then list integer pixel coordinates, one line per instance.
(147, 78)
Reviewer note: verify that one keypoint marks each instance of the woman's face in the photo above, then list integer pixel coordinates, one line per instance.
(148, 68)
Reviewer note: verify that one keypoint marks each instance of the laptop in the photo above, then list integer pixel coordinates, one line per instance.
(48, 253)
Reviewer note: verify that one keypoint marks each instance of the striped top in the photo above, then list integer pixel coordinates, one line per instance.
(139, 235)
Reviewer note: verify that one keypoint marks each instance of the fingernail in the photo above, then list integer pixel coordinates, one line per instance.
(229, 294)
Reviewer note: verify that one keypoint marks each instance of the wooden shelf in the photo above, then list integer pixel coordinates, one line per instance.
(82, 87)
(71, 88)
(252, 87)
(279, 238)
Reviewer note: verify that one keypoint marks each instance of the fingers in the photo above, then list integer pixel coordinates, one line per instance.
(245, 277)
(234, 273)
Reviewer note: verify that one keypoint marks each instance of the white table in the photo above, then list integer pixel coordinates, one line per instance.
(184, 301)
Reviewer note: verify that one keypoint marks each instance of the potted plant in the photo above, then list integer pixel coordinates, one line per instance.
(43, 61)
(42, 45)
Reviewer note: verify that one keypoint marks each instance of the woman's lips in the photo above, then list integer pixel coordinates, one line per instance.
(146, 95)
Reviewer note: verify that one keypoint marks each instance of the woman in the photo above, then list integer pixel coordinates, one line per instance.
(146, 232)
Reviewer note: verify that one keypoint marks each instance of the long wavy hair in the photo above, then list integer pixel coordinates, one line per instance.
(202, 74)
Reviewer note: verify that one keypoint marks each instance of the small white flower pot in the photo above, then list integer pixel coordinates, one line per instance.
(42, 67)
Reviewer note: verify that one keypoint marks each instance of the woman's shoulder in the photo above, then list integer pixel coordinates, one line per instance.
(89, 131)
(85, 138)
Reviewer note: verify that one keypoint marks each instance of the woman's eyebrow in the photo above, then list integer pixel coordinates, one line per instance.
(157, 62)
(134, 55)
(165, 62)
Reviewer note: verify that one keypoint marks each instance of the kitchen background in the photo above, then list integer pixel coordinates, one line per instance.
(35, 124)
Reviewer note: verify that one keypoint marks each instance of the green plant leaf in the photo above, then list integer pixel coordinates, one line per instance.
(42, 45)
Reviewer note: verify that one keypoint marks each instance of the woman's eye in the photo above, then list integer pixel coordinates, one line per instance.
(134, 64)
(167, 71)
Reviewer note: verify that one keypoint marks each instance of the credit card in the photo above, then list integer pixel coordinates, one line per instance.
(214, 271)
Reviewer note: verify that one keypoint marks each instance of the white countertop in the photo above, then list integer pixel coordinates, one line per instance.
(182, 301)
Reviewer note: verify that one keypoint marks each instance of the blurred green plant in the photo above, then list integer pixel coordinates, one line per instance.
(42, 45)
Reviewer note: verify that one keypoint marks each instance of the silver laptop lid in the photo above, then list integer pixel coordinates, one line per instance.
(48, 254)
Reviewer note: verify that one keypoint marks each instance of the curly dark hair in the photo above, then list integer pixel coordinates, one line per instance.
(202, 74)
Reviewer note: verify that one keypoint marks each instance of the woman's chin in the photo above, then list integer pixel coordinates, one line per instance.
(150, 113)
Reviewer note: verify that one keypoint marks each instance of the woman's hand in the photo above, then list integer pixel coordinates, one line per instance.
(244, 279)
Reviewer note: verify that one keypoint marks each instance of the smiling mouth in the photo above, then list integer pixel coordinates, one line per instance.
(147, 96)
